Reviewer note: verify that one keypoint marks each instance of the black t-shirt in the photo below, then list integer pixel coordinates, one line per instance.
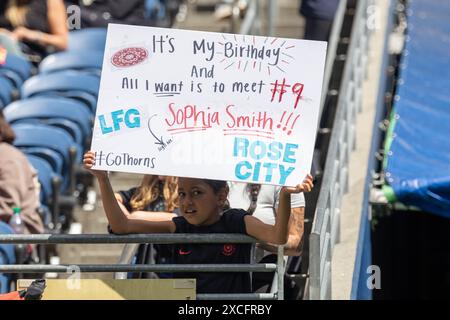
(101, 12)
(232, 221)
(35, 19)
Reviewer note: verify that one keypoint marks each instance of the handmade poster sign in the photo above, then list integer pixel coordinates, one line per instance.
(208, 105)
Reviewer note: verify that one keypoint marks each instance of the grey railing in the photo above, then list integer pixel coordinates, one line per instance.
(157, 239)
(325, 230)
(251, 23)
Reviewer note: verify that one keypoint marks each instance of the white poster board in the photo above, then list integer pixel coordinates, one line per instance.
(208, 105)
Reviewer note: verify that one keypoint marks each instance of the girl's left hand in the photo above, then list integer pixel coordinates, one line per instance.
(22, 33)
(306, 186)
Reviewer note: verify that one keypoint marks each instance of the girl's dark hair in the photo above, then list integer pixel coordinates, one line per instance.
(218, 185)
(6, 133)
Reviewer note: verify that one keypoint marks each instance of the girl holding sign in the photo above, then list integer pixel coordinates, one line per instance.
(202, 206)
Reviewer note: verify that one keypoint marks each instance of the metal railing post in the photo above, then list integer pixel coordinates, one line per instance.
(280, 273)
(126, 256)
(272, 17)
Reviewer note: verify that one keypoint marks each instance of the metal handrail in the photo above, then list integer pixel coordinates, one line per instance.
(150, 238)
(325, 230)
(251, 17)
(36, 268)
(129, 238)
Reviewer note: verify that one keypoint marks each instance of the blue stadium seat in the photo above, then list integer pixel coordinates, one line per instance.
(17, 69)
(6, 92)
(88, 40)
(7, 256)
(67, 125)
(65, 113)
(55, 160)
(49, 181)
(86, 62)
(61, 81)
(45, 136)
(88, 100)
(71, 84)
(45, 176)
(42, 139)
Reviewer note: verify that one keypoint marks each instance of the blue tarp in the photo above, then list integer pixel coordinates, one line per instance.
(418, 161)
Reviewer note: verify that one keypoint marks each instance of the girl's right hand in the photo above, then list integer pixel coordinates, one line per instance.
(89, 162)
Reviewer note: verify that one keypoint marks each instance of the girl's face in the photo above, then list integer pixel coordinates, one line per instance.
(199, 205)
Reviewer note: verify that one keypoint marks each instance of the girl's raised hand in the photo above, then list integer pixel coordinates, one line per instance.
(89, 162)
(306, 186)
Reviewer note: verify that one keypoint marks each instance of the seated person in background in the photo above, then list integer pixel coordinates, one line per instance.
(202, 204)
(319, 15)
(18, 182)
(155, 194)
(40, 25)
(262, 202)
(98, 13)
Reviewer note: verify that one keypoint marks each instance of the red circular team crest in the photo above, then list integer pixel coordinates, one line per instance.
(228, 249)
(129, 57)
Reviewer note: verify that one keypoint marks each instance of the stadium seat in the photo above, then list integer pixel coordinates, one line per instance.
(6, 92)
(88, 40)
(70, 84)
(68, 114)
(88, 100)
(55, 160)
(44, 140)
(16, 69)
(61, 81)
(86, 62)
(50, 192)
(7, 256)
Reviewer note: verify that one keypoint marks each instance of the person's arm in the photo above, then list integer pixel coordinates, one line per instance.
(118, 197)
(119, 220)
(278, 233)
(154, 215)
(58, 36)
(57, 19)
(293, 245)
(9, 189)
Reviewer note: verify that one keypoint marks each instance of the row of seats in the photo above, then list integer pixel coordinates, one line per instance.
(54, 117)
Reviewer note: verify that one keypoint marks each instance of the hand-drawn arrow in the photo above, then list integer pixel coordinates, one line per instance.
(158, 141)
